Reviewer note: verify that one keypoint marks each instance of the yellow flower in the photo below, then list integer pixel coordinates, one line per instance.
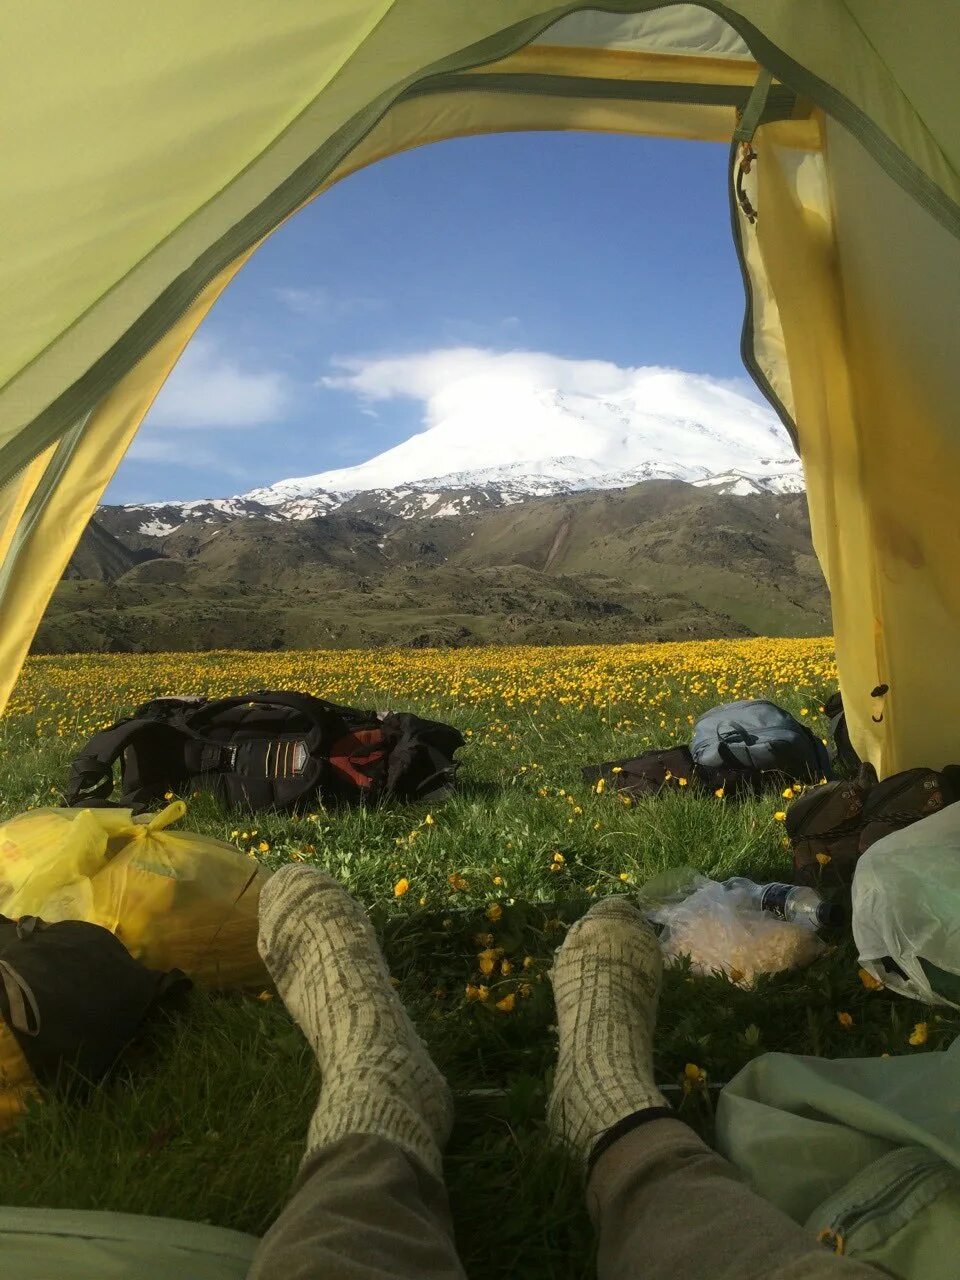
(494, 912)
(471, 992)
(681, 782)
(616, 769)
(457, 882)
(527, 962)
(720, 793)
(487, 960)
(401, 887)
(264, 846)
(845, 1020)
(600, 787)
(428, 820)
(506, 967)
(804, 711)
(824, 859)
(625, 877)
(559, 859)
(506, 1004)
(625, 799)
(483, 994)
(498, 880)
(168, 795)
(918, 1035)
(869, 981)
(788, 794)
(694, 1077)
(779, 816)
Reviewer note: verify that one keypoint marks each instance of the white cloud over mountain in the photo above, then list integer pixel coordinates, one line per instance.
(527, 410)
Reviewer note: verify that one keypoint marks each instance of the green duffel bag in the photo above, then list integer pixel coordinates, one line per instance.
(36, 1244)
(863, 1152)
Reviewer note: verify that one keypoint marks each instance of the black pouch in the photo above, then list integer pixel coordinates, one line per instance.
(73, 996)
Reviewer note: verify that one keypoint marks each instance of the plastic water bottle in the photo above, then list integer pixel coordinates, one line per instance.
(793, 902)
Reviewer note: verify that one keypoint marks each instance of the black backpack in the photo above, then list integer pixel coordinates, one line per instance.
(843, 751)
(265, 750)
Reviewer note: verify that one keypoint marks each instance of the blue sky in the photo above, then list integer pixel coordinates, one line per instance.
(580, 246)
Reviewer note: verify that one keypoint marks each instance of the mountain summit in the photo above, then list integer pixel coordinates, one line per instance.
(664, 425)
(494, 439)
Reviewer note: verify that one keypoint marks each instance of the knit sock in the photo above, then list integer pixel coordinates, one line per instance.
(606, 984)
(323, 956)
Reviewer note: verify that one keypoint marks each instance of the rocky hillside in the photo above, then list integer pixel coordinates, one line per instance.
(661, 560)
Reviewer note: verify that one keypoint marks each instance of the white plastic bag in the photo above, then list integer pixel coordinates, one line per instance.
(720, 932)
(906, 906)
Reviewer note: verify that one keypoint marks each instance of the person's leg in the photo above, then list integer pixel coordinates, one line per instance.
(369, 1201)
(361, 1210)
(663, 1203)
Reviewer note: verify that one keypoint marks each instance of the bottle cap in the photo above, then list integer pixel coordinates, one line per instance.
(831, 915)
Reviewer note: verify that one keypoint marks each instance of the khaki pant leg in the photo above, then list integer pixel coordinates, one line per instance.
(361, 1210)
(668, 1208)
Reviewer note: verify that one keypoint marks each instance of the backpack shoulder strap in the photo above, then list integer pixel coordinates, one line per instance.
(323, 715)
(91, 773)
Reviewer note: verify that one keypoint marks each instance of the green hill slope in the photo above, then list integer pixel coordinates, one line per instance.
(663, 560)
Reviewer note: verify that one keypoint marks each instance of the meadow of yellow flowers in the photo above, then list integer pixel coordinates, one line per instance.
(658, 686)
(470, 900)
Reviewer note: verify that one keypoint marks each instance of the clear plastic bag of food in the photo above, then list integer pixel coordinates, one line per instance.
(720, 932)
(175, 899)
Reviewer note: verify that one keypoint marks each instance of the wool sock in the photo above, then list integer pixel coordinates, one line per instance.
(606, 984)
(321, 951)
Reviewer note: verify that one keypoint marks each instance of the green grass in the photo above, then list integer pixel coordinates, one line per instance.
(205, 1115)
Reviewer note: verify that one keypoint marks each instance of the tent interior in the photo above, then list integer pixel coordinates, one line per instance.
(144, 168)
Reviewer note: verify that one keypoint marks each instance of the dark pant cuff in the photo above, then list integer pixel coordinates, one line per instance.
(623, 1127)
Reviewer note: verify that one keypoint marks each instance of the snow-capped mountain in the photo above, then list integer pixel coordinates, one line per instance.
(667, 425)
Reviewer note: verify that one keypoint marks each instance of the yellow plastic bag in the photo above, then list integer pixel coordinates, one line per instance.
(176, 900)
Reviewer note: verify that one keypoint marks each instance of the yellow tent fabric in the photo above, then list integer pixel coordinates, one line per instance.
(148, 153)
